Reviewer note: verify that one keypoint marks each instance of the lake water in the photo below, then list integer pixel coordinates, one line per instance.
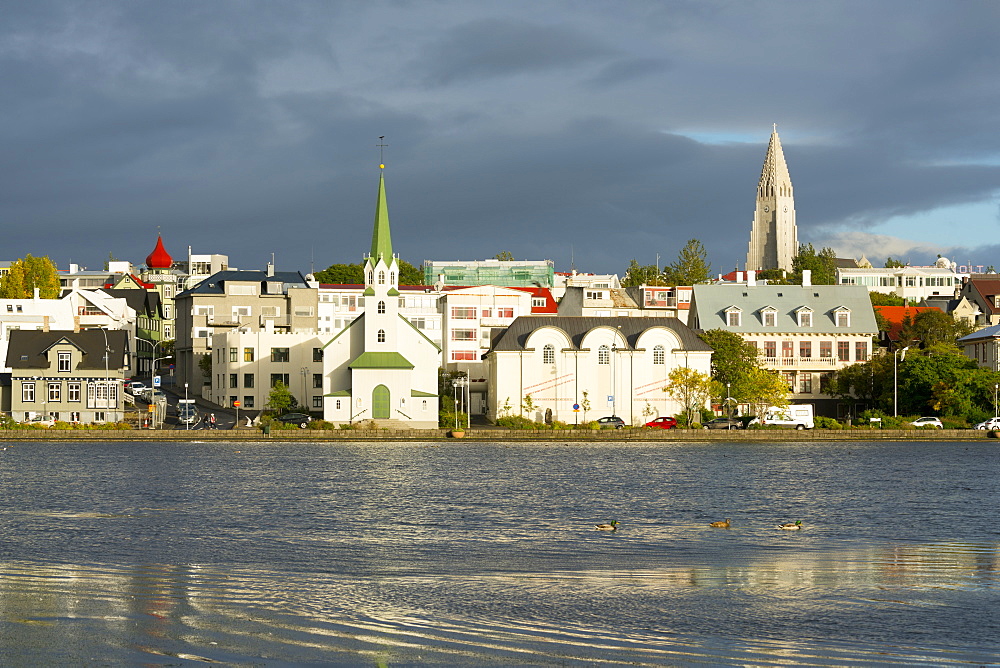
(485, 554)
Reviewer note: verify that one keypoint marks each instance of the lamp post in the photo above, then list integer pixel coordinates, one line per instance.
(107, 373)
(995, 389)
(896, 358)
(153, 345)
(187, 425)
(463, 383)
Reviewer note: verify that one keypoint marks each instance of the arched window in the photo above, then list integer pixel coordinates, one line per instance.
(548, 354)
(658, 356)
(381, 278)
(381, 336)
(392, 278)
(371, 277)
(381, 307)
(603, 355)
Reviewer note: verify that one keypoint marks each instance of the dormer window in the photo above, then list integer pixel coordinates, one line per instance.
(769, 316)
(734, 316)
(805, 317)
(843, 317)
(593, 294)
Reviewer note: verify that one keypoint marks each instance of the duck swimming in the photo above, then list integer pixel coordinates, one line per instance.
(790, 526)
(607, 527)
(720, 525)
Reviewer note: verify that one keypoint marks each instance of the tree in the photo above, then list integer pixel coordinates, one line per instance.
(885, 299)
(280, 399)
(932, 328)
(504, 256)
(733, 358)
(354, 274)
(692, 266)
(892, 264)
(823, 265)
(690, 387)
(763, 388)
(27, 274)
(637, 274)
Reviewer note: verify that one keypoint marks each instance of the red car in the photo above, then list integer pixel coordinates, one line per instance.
(663, 423)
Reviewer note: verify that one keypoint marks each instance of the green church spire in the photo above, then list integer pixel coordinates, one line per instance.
(381, 239)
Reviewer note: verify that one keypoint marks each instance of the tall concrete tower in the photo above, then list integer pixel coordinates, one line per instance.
(774, 239)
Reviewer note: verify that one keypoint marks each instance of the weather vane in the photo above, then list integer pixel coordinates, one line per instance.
(381, 148)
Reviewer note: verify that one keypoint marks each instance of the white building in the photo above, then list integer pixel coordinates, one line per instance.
(606, 366)
(913, 284)
(380, 367)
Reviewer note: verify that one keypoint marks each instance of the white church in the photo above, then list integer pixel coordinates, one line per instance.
(380, 367)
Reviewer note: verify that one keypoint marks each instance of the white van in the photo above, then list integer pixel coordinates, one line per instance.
(796, 416)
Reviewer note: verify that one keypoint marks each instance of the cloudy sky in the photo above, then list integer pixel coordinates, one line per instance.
(585, 132)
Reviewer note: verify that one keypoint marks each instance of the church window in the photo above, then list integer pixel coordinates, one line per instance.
(392, 278)
(603, 355)
(371, 276)
(548, 354)
(381, 307)
(659, 356)
(381, 336)
(381, 278)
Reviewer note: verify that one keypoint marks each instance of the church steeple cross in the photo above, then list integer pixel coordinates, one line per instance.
(381, 148)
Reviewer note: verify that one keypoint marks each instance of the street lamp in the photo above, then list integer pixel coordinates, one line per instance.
(995, 389)
(153, 345)
(463, 383)
(187, 425)
(896, 358)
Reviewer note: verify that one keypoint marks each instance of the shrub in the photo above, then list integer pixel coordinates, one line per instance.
(827, 423)
(519, 422)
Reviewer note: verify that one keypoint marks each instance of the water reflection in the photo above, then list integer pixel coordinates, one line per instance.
(485, 555)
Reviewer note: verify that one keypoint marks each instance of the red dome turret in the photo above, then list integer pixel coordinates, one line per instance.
(159, 258)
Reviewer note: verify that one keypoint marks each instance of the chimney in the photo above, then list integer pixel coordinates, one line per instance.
(807, 278)
(36, 294)
(739, 277)
(270, 269)
(751, 278)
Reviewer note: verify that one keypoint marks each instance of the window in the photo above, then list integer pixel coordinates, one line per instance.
(487, 313)
(789, 378)
(861, 351)
(593, 294)
(168, 331)
(769, 318)
(204, 310)
(241, 312)
(787, 349)
(659, 355)
(64, 362)
(234, 354)
(317, 354)
(463, 312)
(338, 404)
(843, 318)
(381, 306)
(248, 401)
(805, 319)
(74, 416)
(279, 354)
(371, 277)
(248, 354)
(248, 380)
(73, 391)
(844, 351)
(317, 402)
(55, 391)
(234, 289)
(506, 311)
(318, 380)
(168, 291)
(167, 311)
(548, 354)
(770, 349)
(381, 336)
(603, 355)
(234, 380)
(463, 355)
(202, 333)
(27, 392)
(392, 277)
(381, 278)
(270, 311)
(463, 335)
(538, 302)
(279, 378)
(805, 349)
(826, 348)
(805, 383)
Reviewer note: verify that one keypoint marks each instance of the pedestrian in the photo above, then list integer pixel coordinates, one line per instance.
(211, 421)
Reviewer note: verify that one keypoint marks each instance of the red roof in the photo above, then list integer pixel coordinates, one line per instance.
(896, 314)
(159, 258)
(551, 307)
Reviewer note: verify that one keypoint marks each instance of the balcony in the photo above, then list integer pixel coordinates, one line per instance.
(800, 362)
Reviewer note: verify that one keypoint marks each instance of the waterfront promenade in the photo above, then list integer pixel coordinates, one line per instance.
(496, 435)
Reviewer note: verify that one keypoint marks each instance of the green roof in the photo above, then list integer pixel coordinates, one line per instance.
(338, 393)
(381, 239)
(373, 360)
(418, 393)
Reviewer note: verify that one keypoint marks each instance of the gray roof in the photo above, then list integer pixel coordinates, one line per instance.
(985, 333)
(215, 284)
(145, 302)
(513, 338)
(28, 347)
(709, 304)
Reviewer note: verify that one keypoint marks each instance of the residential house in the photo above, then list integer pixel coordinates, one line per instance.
(983, 291)
(983, 346)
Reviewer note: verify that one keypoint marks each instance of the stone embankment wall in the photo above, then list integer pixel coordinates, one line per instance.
(495, 435)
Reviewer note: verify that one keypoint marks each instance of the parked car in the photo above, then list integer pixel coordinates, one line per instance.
(300, 419)
(928, 422)
(136, 388)
(612, 422)
(187, 414)
(989, 425)
(723, 423)
(663, 423)
(41, 421)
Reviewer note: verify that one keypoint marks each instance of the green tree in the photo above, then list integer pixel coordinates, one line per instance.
(27, 274)
(890, 263)
(762, 388)
(637, 274)
(692, 266)
(280, 399)
(504, 256)
(823, 265)
(690, 387)
(932, 328)
(354, 274)
(885, 299)
(733, 358)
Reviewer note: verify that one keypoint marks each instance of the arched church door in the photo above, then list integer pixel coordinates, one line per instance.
(380, 403)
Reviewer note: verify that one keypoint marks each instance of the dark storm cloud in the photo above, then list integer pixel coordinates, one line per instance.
(502, 47)
(583, 131)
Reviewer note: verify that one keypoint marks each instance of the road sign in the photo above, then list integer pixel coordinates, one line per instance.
(611, 397)
(236, 404)
(151, 408)
(156, 381)
(576, 407)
